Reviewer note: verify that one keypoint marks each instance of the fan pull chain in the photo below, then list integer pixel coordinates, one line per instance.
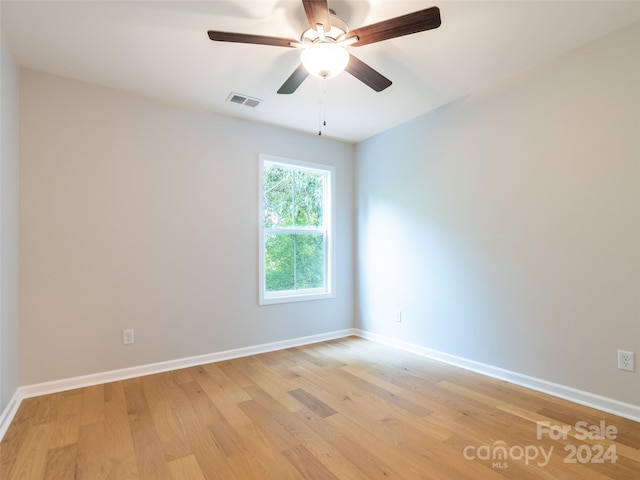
(322, 106)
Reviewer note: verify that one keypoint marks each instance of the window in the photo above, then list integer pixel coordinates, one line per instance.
(296, 254)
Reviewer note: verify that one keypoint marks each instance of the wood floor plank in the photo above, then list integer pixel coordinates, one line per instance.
(202, 405)
(150, 460)
(149, 455)
(13, 442)
(226, 405)
(91, 457)
(273, 383)
(262, 459)
(186, 468)
(308, 466)
(31, 460)
(365, 455)
(323, 452)
(207, 452)
(419, 410)
(234, 392)
(61, 462)
(119, 450)
(347, 409)
(114, 391)
(226, 438)
(269, 426)
(172, 434)
(67, 427)
(92, 405)
(134, 397)
(247, 465)
(328, 455)
(312, 403)
(232, 371)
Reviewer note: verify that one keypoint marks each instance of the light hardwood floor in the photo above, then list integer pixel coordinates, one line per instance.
(345, 409)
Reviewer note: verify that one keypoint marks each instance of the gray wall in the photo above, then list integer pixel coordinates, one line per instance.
(8, 226)
(506, 225)
(136, 214)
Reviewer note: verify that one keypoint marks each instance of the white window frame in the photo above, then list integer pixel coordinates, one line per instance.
(286, 296)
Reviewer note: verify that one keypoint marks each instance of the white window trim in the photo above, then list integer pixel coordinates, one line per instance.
(288, 296)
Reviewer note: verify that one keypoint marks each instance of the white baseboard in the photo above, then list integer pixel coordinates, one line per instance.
(6, 415)
(581, 397)
(55, 386)
(605, 404)
(160, 367)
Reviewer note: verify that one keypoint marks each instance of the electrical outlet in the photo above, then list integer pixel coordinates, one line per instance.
(127, 336)
(398, 316)
(626, 361)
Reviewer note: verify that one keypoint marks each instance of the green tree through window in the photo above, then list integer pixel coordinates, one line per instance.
(295, 229)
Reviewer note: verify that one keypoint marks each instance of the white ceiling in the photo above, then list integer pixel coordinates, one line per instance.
(161, 49)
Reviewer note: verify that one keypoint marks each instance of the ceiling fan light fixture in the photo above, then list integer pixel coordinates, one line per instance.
(324, 59)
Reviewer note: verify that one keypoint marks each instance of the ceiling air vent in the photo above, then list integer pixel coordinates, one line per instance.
(243, 100)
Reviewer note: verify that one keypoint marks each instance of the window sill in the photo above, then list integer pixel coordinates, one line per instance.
(290, 298)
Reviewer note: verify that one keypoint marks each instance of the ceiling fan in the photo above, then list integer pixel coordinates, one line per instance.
(324, 43)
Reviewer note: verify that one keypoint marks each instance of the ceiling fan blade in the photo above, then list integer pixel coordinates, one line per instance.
(292, 83)
(317, 13)
(366, 74)
(415, 22)
(254, 39)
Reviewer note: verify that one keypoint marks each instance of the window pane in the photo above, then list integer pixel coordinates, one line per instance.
(278, 197)
(309, 261)
(308, 195)
(293, 261)
(279, 262)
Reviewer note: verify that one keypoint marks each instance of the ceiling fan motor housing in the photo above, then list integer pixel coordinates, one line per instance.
(337, 33)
